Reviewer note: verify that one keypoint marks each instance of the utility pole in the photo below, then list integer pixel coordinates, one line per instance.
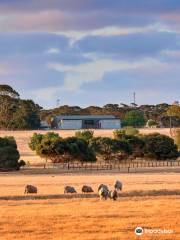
(57, 102)
(134, 98)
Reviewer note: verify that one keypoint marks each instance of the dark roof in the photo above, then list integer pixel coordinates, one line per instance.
(84, 117)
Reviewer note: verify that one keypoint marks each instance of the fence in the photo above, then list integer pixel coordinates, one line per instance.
(105, 166)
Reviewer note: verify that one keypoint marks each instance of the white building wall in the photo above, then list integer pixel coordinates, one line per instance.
(110, 124)
(70, 124)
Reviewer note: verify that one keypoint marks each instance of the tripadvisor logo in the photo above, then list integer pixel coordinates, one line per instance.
(139, 231)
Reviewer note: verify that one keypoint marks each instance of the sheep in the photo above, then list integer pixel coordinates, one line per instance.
(103, 186)
(30, 189)
(103, 193)
(118, 185)
(69, 189)
(87, 189)
(113, 194)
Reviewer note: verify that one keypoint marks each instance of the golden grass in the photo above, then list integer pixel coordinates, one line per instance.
(89, 219)
(14, 183)
(22, 138)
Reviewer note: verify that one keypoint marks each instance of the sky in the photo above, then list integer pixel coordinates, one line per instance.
(91, 52)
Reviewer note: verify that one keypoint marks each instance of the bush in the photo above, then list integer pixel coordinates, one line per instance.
(51, 146)
(136, 143)
(9, 154)
(160, 147)
(86, 135)
(119, 133)
(108, 148)
(79, 149)
(151, 123)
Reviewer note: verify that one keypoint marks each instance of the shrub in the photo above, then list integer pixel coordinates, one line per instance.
(86, 135)
(119, 133)
(160, 147)
(79, 149)
(136, 142)
(131, 131)
(151, 123)
(107, 147)
(51, 146)
(9, 154)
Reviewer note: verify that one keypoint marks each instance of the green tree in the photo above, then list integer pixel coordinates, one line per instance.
(16, 113)
(134, 118)
(51, 146)
(173, 110)
(9, 154)
(160, 147)
(79, 149)
(108, 148)
(6, 90)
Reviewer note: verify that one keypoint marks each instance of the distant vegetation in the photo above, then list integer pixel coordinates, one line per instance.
(133, 115)
(16, 113)
(85, 147)
(9, 155)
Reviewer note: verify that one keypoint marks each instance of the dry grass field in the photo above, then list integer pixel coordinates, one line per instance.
(89, 219)
(22, 138)
(13, 184)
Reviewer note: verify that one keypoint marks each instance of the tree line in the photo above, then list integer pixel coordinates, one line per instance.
(17, 113)
(85, 147)
(132, 115)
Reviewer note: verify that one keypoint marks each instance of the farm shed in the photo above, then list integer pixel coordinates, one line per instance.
(87, 122)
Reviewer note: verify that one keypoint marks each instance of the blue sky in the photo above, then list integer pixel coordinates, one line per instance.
(91, 52)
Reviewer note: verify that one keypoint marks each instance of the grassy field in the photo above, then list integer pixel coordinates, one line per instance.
(22, 138)
(89, 219)
(13, 184)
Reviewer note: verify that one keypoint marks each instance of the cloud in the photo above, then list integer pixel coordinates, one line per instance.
(93, 48)
(80, 15)
(130, 45)
(53, 51)
(77, 76)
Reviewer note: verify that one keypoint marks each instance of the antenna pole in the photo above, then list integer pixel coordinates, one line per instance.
(134, 97)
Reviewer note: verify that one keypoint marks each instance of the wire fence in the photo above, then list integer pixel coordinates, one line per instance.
(104, 165)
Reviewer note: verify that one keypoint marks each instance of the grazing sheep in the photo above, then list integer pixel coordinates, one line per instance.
(69, 189)
(103, 193)
(118, 185)
(103, 186)
(87, 189)
(30, 189)
(113, 194)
